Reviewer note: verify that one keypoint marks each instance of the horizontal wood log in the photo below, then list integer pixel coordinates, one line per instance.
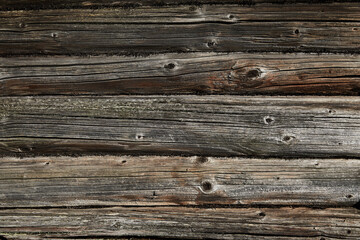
(304, 28)
(191, 73)
(166, 181)
(55, 4)
(188, 125)
(333, 12)
(185, 222)
(22, 236)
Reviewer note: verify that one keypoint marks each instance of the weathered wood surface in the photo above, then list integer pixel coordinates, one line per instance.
(165, 181)
(198, 125)
(58, 4)
(304, 28)
(191, 73)
(342, 12)
(185, 222)
(22, 236)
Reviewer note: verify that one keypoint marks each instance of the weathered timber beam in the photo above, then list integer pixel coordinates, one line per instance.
(184, 124)
(131, 4)
(341, 12)
(165, 181)
(185, 222)
(284, 28)
(191, 73)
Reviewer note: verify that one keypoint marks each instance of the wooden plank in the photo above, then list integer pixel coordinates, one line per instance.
(304, 28)
(185, 222)
(235, 73)
(22, 236)
(58, 4)
(166, 181)
(184, 124)
(182, 14)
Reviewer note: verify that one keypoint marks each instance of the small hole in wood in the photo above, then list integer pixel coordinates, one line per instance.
(54, 35)
(316, 164)
(47, 163)
(139, 137)
(170, 66)
(287, 139)
(296, 31)
(277, 178)
(268, 120)
(348, 231)
(349, 196)
(211, 44)
(201, 159)
(123, 161)
(231, 16)
(22, 25)
(253, 73)
(355, 29)
(206, 186)
(262, 214)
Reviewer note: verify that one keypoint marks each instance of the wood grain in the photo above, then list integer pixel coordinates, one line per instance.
(191, 73)
(182, 14)
(185, 222)
(55, 4)
(188, 125)
(166, 181)
(291, 28)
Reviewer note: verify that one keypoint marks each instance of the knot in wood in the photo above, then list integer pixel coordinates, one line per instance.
(207, 186)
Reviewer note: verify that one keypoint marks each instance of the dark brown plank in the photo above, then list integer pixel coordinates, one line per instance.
(192, 125)
(308, 28)
(55, 4)
(185, 222)
(165, 181)
(191, 73)
(183, 14)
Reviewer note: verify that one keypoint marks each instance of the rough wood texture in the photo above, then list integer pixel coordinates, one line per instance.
(142, 47)
(186, 222)
(308, 28)
(152, 180)
(344, 12)
(192, 73)
(45, 4)
(198, 125)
